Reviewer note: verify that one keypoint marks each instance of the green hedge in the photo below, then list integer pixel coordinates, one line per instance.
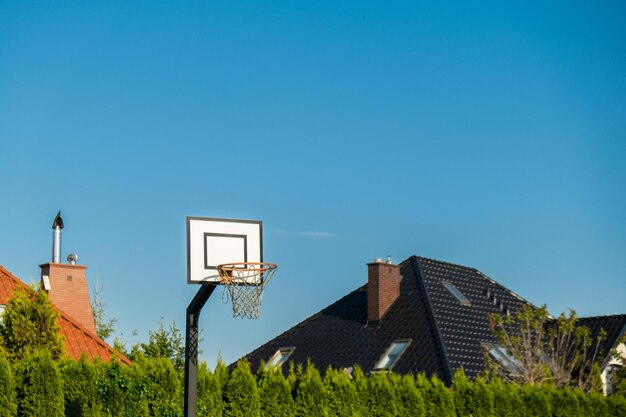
(39, 386)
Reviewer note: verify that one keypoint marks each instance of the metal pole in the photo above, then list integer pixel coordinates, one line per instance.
(191, 346)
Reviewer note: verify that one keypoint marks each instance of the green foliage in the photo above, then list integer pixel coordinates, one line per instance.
(165, 343)
(121, 389)
(310, 395)
(565, 403)
(617, 405)
(209, 390)
(30, 324)
(472, 398)
(8, 402)
(437, 397)
(409, 399)
(536, 401)
(39, 386)
(341, 394)
(545, 350)
(507, 401)
(162, 387)
(274, 392)
(381, 399)
(79, 388)
(241, 393)
(595, 405)
(105, 326)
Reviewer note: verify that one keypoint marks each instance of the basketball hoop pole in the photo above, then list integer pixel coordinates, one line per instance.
(191, 346)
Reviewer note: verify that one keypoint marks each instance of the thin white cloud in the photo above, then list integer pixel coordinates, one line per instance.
(317, 234)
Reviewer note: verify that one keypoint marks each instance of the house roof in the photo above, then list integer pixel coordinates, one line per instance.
(613, 325)
(78, 340)
(445, 334)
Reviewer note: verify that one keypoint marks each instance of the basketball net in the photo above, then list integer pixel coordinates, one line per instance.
(244, 284)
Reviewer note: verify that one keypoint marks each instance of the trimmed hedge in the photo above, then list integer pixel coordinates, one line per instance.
(37, 385)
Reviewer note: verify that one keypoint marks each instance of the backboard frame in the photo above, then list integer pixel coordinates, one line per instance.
(230, 232)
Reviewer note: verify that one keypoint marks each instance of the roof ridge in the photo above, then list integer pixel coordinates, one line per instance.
(432, 321)
(602, 316)
(442, 262)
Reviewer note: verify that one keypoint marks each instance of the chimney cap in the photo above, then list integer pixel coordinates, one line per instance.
(58, 221)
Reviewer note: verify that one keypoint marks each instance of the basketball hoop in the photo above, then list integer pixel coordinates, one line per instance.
(244, 283)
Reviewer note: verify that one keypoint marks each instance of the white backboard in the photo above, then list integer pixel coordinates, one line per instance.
(211, 242)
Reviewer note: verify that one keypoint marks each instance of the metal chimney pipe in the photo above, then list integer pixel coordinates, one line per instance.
(57, 225)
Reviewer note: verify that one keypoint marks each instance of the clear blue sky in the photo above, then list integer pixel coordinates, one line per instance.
(491, 135)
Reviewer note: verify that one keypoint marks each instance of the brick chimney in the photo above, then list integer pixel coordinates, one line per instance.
(383, 288)
(67, 288)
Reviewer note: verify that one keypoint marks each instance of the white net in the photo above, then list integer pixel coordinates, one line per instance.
(244, 284)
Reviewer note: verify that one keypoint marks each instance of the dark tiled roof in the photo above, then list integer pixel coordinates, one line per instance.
(78, 340)
(614, 326)
(445, 334)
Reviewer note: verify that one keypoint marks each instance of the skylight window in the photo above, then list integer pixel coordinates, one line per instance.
(457, 294)
(393, 353)
(280, 356)
(503, 356)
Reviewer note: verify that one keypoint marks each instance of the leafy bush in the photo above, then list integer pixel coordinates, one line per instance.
(437, 397)
(309, 393)
(29, 324)
(274, 392)
(409, 398)
(507, 400)
(472, 398)
(241, 393)
(341, 394)
(121, 390)
(209, 390)
(381, 398)
(536, 401)
(79, 388)
(39, 386)
(8, 404)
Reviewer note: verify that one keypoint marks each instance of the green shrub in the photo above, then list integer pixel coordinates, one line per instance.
(162, 386)
(595, 405)
(79, 388)
(274, 392)
(309, 393)
(29, 324)
(381, 396)
(8, 403)
(617, 405)
(39, 386)
(409, 399)
(341, 394)
(536, 401)
(507, 400)
(437, 397)
(565, 403)
(121, 389)
(241, 393)
(472, 398)
(209, 391)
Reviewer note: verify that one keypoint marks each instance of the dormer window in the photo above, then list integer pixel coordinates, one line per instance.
(280, 356)
(392, 354)
(456, 293)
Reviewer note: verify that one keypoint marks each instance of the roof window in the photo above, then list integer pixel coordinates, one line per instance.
(457, 294)
(502, 355)
(280, 356)
(392, 354)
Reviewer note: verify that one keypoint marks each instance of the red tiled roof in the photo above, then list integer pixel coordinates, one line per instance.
(78, 340)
